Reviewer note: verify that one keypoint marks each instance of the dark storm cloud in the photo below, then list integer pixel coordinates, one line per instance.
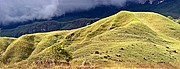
(23, 10)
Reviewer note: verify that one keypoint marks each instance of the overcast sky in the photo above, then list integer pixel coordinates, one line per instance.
(23, 10)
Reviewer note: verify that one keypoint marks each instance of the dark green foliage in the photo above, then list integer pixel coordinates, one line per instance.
(60, 53)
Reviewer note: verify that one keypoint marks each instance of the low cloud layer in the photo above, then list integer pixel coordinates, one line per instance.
(23, 10)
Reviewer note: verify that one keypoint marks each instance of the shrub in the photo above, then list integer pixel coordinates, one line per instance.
(59, 52)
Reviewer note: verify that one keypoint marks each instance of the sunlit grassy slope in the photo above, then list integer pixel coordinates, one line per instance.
(4, 43)
(126, 37)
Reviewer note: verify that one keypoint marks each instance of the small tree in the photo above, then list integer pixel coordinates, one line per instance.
(170, 17)
(88, 24)
(61, 53)
(178, 20)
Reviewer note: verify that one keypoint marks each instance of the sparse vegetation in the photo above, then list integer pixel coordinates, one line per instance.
(175, 20)
(178, 20)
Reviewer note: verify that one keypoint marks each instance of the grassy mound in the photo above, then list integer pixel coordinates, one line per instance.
(126, 37)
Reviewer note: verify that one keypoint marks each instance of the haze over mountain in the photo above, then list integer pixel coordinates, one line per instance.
(15, 11)
(23, 10)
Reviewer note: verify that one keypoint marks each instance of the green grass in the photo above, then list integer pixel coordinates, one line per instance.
(139, 38)
(4, 43)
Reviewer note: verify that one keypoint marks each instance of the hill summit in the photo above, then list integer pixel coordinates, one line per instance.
(126, 37)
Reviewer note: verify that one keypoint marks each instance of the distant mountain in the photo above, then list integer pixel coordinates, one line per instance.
(46, 26)
(130, 38)
(167, 8)
(97, 12)
(72, 20)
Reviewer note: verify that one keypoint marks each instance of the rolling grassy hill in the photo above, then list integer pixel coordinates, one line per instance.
(127, 37)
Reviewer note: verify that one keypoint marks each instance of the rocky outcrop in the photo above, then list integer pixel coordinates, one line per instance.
(151, 1)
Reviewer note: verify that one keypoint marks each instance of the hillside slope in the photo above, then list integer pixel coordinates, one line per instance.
(4, 43)
(126, 37)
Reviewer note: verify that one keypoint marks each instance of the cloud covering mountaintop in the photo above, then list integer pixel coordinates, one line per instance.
(23, 10)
